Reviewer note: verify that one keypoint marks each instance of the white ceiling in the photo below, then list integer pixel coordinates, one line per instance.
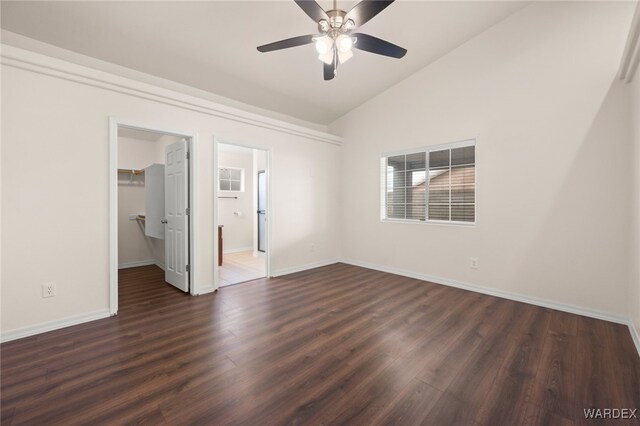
(212, 45)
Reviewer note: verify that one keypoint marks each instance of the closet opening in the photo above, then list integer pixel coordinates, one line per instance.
(242, 219)
(152, 207)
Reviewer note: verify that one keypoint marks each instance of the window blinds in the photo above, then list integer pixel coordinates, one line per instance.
(452, 189)
(405, 195)
(447, 196)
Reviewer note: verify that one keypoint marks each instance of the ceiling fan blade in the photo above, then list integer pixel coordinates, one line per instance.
(313, 9)
(330, 69)
(375, 45)
(365, 10)
(287, 43)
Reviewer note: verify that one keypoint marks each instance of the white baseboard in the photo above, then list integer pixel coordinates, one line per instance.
(573, 309)
(205, 290)
(53, 325)
(634, 335)
(294, 269)
(140, 263)
(136, 264)
(238, 250)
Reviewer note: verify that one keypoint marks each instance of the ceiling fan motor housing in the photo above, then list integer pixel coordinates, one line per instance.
(336, 24)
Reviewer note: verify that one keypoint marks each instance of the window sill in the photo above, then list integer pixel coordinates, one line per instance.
(430, 222)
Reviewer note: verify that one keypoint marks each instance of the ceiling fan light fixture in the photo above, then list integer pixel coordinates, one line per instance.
(349, 25)
(344, 43)
(326, 57)
(336, 39)
(344, 56)
(324, 44)
(323, 26)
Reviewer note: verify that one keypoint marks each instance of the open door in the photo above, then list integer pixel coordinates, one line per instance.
(177, 215)
(262, 211)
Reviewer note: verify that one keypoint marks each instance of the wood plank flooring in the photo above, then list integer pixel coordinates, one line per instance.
(333, 345)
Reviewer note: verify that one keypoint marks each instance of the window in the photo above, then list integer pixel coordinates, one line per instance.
(435, 184)
(406, 186)
(231, 179)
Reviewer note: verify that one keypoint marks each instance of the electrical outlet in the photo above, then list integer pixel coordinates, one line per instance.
(48, 289)
(474, 263)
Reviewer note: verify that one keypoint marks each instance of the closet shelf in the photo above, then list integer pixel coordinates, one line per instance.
(131, 171)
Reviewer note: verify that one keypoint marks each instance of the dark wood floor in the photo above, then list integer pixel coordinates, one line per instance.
(338, 344)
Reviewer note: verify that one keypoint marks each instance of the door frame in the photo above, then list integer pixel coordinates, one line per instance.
(191, 137)
(216, 166)
(257, 203)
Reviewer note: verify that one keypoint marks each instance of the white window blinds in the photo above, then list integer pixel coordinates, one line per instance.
(452, 186)
(406, 186)
(447, 196)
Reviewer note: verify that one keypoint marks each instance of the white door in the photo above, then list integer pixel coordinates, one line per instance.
(154, 201)
(176, 221)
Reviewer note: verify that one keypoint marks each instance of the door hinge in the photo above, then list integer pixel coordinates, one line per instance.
(187, 211)
(188, 268)
(188, 155)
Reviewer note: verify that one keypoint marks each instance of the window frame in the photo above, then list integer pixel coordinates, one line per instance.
(427, 149)
(242, 180)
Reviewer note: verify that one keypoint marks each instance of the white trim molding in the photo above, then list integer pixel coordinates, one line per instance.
(53, 325)
(206, 290)
(294, 269)
(631, 54)
(46, 65)
(635, 335)
(137, 263)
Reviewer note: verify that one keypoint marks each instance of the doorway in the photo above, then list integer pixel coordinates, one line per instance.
(150, 214)
(242, 211)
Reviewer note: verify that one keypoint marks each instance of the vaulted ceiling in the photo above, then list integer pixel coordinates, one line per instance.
(212, 45)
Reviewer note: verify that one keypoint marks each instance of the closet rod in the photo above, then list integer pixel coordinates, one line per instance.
(131, 171)
(235, 198)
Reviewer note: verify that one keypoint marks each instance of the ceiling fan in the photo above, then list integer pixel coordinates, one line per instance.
(336, 39)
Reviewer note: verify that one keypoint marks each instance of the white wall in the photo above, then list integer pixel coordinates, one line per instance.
(237, 215)
(553, 174)
(634, 296)
(55, 187)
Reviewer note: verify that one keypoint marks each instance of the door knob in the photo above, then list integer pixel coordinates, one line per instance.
(163, 221)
